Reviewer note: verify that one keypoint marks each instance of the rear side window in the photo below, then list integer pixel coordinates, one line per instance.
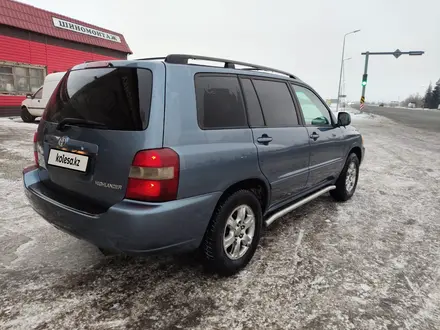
(255, 115)
(277, 103)
(219, 102)
(119, 98)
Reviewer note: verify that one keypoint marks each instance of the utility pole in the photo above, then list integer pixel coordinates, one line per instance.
(397, 53)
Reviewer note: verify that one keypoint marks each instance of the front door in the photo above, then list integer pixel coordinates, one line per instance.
(326, 138)
(282, 144)
(36, 105)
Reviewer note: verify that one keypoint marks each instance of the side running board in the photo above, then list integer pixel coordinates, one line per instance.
(292, 207)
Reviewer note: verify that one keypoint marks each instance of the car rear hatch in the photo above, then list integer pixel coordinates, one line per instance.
(98, 118)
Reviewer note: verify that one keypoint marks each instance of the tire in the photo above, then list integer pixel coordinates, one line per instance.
(228, 261)
(345, 191)
(26, 116)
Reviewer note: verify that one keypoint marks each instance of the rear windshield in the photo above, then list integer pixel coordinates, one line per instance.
(119, 98)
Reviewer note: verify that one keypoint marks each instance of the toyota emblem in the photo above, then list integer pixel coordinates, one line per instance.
(62, 141)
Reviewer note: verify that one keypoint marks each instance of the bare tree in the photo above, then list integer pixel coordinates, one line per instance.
(416, 99)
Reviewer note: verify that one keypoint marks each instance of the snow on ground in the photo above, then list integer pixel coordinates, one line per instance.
(370, 263)
(355, 115)
(17, 123)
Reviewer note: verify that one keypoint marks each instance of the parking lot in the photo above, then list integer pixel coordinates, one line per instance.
(370, 263)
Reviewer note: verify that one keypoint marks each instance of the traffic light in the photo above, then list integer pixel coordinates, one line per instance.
(364, 79)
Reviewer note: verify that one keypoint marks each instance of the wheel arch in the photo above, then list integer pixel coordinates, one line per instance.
(357, 151)
(25, 115)
(258, 186)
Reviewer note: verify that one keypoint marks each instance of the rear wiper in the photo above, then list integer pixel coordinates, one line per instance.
(79, 122)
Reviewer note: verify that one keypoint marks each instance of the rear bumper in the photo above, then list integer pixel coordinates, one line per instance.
(129, 226)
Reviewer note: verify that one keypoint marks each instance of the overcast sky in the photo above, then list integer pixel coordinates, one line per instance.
(302, 37)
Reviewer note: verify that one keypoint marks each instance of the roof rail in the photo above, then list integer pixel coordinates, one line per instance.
(151, 58)
(183, 59)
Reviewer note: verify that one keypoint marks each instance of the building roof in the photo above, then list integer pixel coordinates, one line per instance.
(30, 18)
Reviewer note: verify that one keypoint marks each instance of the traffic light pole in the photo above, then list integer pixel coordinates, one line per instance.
(364, 86)
(397, 53)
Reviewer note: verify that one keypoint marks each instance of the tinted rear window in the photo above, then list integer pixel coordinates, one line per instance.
(255, 116)
(219, 102)
(277, 103)
(117, 97)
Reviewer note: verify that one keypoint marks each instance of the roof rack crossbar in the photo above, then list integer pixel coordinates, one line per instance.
(183, 59)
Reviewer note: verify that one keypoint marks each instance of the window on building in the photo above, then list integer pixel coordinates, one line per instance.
(20, 79)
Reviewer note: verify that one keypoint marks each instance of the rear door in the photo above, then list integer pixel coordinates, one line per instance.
(95, 122)
(326, 139)
(282, 143)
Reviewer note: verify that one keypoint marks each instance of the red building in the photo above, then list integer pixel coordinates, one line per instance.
(36, 42)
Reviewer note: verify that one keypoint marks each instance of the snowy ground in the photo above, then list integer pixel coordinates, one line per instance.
(370, 263)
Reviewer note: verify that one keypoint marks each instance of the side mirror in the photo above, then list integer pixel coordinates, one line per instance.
(344, 119)
(320, 121)
(28, 96)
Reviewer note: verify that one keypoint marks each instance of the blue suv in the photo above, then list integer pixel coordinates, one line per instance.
(167, 155)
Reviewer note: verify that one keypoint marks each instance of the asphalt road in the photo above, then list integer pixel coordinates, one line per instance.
(424, 119)
(370, 263)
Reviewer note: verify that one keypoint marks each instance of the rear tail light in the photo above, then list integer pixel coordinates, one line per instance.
(36, 148)
(154, 176)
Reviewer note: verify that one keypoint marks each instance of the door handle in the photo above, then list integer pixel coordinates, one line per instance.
(314, 136)
(264, 139)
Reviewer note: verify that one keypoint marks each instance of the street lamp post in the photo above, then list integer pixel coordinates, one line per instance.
(342, 63)
(342, 89)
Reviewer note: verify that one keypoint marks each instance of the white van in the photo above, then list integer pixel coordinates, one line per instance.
(33, 106)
